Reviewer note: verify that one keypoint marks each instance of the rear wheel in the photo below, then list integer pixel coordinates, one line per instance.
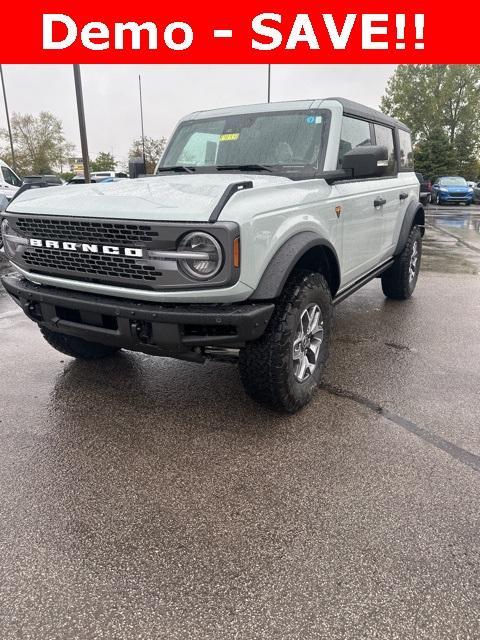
(77, 347)
(399, 281)
(282, 369)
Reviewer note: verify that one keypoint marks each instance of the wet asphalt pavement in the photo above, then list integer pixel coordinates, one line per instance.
(144, 498)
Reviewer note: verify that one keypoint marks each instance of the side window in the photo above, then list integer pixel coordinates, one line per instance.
(355, 133)
(10, 177)
(406, 151)
(384, 138)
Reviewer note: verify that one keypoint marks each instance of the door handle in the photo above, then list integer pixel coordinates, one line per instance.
(379, 202)
(403, 195)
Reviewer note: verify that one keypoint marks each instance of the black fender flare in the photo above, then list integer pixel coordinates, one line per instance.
(283, 262)
(410, 214)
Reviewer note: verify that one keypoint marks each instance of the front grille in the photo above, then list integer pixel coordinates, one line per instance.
(117, 233)
(92, 264)
(96, 265)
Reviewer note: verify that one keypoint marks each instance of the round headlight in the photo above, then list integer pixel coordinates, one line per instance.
(206, 260)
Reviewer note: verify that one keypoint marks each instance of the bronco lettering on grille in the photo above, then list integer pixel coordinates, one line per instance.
(87, 248)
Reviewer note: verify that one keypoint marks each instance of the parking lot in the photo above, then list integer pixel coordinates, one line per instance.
(145, 498)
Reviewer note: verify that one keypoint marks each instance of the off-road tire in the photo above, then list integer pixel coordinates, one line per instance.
(396, 282)
(77, 347)
(266, 365)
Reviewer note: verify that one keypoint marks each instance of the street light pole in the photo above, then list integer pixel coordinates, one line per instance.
(8, 119)
(81, 121)
(268, 82)
(141, 116)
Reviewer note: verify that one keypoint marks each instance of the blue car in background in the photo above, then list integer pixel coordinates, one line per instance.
(451, 189)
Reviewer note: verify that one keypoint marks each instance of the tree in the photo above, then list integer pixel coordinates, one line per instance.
(103, 162)
(434, 156)
(438, 98)
(154, 148)
(39, 143)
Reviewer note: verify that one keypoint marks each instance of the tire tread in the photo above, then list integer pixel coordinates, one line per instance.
(263, 363)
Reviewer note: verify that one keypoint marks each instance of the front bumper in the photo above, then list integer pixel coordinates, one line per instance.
(445, 197)
(175, 330)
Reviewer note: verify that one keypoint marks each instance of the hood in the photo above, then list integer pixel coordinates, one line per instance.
(456, 188)
(177, 198)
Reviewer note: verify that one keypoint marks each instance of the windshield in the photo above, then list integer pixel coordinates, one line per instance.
(290, 140)
(453, 182)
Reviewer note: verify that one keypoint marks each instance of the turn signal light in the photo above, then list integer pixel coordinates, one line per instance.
(236, 253)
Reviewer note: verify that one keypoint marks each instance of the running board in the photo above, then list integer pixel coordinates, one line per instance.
(358, 284)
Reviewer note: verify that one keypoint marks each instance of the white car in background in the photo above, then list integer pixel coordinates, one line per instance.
(9, 185)
(98, 175)
(9, 181)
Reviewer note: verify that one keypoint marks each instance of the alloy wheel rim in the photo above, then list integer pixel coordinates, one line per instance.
(307, 342)
(412, 269)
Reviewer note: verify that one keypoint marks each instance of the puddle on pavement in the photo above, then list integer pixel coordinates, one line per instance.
(447, 230)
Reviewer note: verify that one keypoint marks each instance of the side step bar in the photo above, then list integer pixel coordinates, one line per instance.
(358, 284)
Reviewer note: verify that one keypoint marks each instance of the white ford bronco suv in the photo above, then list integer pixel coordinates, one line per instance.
(257, 221)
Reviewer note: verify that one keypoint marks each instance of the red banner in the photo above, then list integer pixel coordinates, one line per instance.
(253, 31)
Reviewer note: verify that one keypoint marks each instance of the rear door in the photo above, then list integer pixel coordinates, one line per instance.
(391, 190)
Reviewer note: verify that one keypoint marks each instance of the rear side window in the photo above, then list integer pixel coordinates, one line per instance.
(406, 151)
(384, 138)
(355, 133)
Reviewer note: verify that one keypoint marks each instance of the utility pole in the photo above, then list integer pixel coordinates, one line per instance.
(81, 121)
(8, 119)
(141, 117)
(268, 82)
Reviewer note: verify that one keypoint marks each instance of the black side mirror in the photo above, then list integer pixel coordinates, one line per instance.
(369, 161)
(136, 167)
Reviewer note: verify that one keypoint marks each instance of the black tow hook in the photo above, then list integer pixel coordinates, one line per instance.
(141, 329)
(33, 311)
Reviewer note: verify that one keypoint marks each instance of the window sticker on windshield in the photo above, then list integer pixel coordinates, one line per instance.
(227, 137)
(314, 119)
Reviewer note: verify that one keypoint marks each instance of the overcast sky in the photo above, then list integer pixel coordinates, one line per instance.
(170, 91)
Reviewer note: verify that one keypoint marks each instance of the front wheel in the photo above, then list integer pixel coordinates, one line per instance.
(399, 281)
(282, 369)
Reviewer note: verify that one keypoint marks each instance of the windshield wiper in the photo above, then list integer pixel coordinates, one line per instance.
(244, 167)
(177, 168)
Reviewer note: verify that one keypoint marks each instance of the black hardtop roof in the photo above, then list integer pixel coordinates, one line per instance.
(361, 111)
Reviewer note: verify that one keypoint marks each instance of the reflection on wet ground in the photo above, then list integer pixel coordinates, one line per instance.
(452, 242)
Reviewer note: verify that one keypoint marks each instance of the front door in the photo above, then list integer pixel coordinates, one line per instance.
(362, 227)
(361, 218)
